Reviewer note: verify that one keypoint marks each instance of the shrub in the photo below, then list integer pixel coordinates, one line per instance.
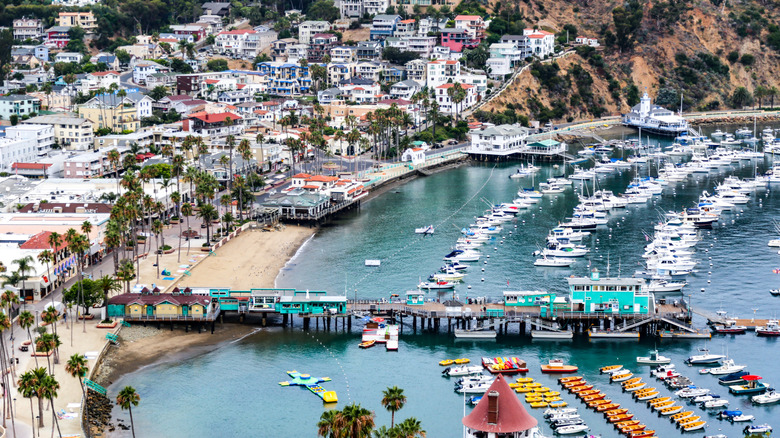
(747, 59)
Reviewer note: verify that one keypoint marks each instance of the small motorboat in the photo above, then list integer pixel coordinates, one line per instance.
(621, 377)
(554, 262)
(433, 285)
(732, 378)
(704, 358)
(717, 403)
(563, 379)
(669, 410)
(681, 415)
(730, 328)
(770, 329)
(643, 434)
(558, 404)
(610, 369)
(653, 359)
(696, 425)
(751, 385)
(557, 366)
(367, 344)
(728, 367)
(647, 395)
(473, 400)
(774, 292)
(425, 230)
(766, 398)
(742, 418)
(571, 429)
(462, 371)
(757, 429)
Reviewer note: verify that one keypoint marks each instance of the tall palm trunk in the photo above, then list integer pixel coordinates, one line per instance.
(189, 237)
(56, 421)
(132, 424)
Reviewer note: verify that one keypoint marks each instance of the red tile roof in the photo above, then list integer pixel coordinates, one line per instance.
(41, 241)
(464, 86)
(215, 118)
(323, 178)
(302, 175)
(237, 32)
(126, 299)
(212, 81)
(31, 166)
(467, 17)
(103, 73)
(310, 186)
(512, 416)
(411, 20)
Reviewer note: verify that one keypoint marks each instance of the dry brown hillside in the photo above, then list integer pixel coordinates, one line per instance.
(705, 49)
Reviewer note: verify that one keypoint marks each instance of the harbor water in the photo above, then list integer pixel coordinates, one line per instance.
(235, 390)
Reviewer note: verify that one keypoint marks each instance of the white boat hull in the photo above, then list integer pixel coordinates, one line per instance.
(550, 334)
(475, 334)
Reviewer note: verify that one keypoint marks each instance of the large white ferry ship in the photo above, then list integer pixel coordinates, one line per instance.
(655, 119)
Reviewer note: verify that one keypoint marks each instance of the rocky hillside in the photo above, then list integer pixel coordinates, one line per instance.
(707, 49)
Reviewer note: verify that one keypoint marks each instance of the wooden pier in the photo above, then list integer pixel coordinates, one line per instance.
(434, 315)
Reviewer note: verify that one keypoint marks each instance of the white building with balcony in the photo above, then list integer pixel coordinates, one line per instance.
(243, 43)
(309, 28)
(501, 139)
(42, 134)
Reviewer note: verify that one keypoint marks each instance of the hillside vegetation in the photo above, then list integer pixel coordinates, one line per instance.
(717, 53)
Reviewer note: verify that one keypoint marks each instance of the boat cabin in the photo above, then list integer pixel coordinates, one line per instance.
(609, 295)
(415, 298)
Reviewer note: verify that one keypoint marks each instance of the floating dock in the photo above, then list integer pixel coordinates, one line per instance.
(312, 384)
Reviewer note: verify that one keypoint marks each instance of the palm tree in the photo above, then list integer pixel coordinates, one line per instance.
(208, 213)
(410, 428)
(77, 367)
(45, 344)
(23, 266)
(126, 399)
(5, 322)
(39, 374)
(384, 432)
(771, 92)
(45, 256)
(328, 425)
(27, 388)
(176, 199)
(7, 299)
(186, 211)
(356, 421)
(49, 387)
(107, 284)
(157, 230)
(126, 273)
(50, 317)
(26, 320)
(393, 399)
(54, 240)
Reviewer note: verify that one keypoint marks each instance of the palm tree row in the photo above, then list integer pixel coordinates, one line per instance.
(354, 421)
(385, 125)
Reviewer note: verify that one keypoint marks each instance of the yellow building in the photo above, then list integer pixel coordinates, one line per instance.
(111, 111)
(84, 20)
(154, 306)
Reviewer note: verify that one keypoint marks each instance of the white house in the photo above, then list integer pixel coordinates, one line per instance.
(405, 89)
(146, 68)
(592, 42)
(243, 43)
(17, 149)
(97, 80)
(499, 66)
(447, 106)
(501, 138)
(415, 155)
(343, 54)
(440, 72)
(73, 57)
(309, 28)
(538, 43)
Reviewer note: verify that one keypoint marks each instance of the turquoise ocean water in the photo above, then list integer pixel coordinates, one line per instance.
(234, 391)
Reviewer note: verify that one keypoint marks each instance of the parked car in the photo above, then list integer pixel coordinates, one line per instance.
(452, 142)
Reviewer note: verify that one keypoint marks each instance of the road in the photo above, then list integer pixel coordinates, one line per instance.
(126, 80)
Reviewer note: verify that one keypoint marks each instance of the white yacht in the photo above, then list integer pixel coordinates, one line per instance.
(654, 119)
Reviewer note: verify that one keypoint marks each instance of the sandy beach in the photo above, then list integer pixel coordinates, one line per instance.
(253, 260)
